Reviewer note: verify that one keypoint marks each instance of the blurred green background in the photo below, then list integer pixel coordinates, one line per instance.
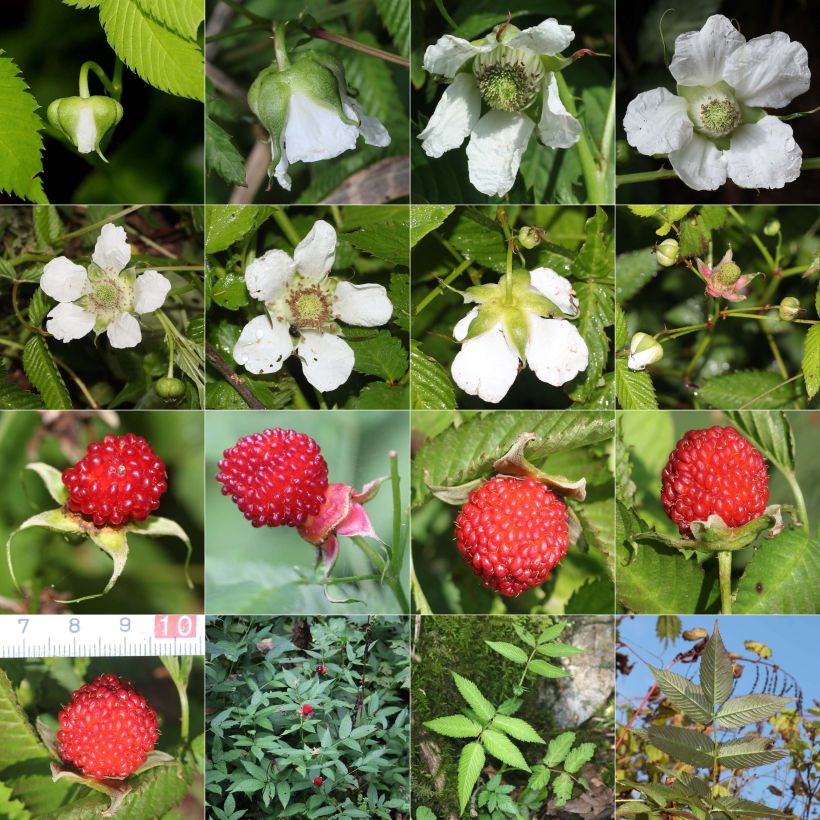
(650, 435)
(262, 570)
(54, 567)
(156, 153)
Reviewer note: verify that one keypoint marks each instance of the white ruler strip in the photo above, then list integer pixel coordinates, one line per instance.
(81, 636)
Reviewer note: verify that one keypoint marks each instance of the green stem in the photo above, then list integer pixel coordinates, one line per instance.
(527, 666)
(283, 221)
(249, 14)
(755, 238)
(323, 34)
(90, 65)
(594, 177)
(791, 478)
(439, 289)
(725, 577)
(664, 173)
(422, 606)
(395, 481)
(608, 135)
(94, 225)
(775, 351)
(280, 46)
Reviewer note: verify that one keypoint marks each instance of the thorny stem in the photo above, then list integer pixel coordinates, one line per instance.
(94, 225)
(725, 576)
(323, 34)
(439, 289)
(237, 382)
(664, 173)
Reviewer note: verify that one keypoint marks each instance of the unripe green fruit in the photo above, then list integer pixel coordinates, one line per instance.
(667, 252)
(789, 309)
(170, 388)
(529, 237)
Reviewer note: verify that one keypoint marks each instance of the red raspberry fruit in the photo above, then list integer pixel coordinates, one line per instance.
(107, 728)
(512, 532)
(275, 477)
(321, 669)
(306, 710)
(119, 479)
(714, 471)
(317, 781)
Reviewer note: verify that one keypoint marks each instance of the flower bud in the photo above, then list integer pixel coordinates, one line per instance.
(169, 388)
(644, 350)
(529, 237)
(772, 228)
(789, 309)
(85, 120)
(667, 252)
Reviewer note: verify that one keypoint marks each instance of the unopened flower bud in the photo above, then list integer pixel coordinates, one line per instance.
(169, 388)
(529, 237)
(85, 120)
(789, 309)
(772, 228)
(644, 350)
(667, 252)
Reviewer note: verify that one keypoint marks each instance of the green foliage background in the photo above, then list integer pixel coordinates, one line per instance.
(153, 580)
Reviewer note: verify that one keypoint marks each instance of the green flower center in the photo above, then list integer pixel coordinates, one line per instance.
(728, 273)
(719, 116)
(105, 295)
(310, 307)
(508, 78)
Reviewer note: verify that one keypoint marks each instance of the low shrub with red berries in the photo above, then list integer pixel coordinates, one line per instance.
(714, 472)
(317, 781)
(107, 728)
(277, 477)
(512, 533)
(119, 479)
(306, 710)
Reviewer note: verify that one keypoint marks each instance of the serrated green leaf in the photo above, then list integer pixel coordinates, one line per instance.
(595, 259)
(163, 58)
(21, 144)
(226, 224)
(539, 779)
(635, 269)
(380, 396)
(399, 292)
(714, 216)
(221, 155)
(426, 218)
(694, 237)
(686, 745)
(47, 224)
(470, 765)
(747, 709)
(716, 677)
(559, 650)
(510, 651)
(748, 389)
(634, 388)
(382, 355)
(559, 748)
(748, 753)
(782, 576)
(43, 374)
(182, 16)
(454, 726)
(621, 330)
(475, 700)
(737, 807)
(389, 241)
(229, 291)
(811, 361)
(395, 15)
(596, 306)
(430, 386)
(683, 694)
(500, 746)
(562, 789)
(547, 670)
(770, 432)
(551, 632)
(578, 756)
(517, 728)
(644, 210)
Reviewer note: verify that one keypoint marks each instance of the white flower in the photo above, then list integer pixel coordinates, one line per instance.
(299, 293)
(716, 128)
(505, 70)
(514, 324)
(105, 296)
(308, 112)
(643, 351)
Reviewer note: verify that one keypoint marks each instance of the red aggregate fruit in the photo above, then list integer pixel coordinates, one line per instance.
(119, 479)
(107, 728)
(275, 477)
(512, 532)
(306, 710)
(321, 669)
(317, 781)
(714, 471)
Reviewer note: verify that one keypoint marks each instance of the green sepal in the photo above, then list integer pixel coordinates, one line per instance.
(488, 317)
(517, 330)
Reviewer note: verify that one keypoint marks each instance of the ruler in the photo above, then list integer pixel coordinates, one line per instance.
(91, 636)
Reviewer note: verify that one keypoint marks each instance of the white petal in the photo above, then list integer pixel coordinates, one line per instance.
(150, 291)
(370, 128)
(557, 128)
(262, 345)
(314, 132)
(455, 116)
(124, 331)
(640, 359)
(362, 305)
(112, 252)
(764, 155)
(769, 71)
(486, 366)
(463, 325)
(548, 37)
(556, 288)
(281, 170)
(268, 275)
(63, 280)
(86, 134)
(495, 149)
(699, 164)
(446, 56)
(656, 122)
(556, 351)
(315, 254)
(700, 56)
(67, 322)
(327, 360)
